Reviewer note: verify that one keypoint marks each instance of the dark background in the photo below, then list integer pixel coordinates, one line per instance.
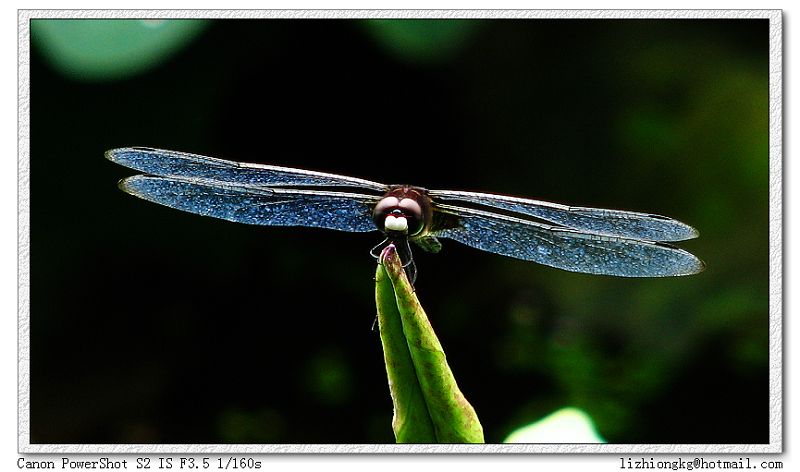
(149, 325)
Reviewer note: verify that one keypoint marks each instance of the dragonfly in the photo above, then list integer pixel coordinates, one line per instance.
(578, 239)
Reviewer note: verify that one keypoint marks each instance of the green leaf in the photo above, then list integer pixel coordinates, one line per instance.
(428, 406)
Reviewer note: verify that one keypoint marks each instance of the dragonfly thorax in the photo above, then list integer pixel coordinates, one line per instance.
(403, 211)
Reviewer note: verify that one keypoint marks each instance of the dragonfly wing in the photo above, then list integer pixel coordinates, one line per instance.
(257, 205)
(564, 248)
(181, 164)
(627, 224)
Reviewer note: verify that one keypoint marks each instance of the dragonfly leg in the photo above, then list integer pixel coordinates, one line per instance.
(407, 258)
(411, 271)
(374, 252)
(404, 251)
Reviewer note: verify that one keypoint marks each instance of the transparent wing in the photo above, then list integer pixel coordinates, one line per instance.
(627, 224)
(181, 164)
(257, 205)
(566, 249)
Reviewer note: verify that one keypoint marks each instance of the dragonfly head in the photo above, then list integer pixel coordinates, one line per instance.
(401, 212)
(396, 221)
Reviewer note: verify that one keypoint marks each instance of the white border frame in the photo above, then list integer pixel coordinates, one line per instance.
(775, 254)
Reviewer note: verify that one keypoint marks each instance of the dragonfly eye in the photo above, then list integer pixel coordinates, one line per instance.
(398, 216)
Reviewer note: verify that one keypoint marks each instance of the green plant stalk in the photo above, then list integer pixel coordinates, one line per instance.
(428, 405)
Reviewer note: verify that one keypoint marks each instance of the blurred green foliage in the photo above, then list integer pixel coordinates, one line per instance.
(263, 425)
(566, 426)
(425, 41)
(111, 49)
(329, 377)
